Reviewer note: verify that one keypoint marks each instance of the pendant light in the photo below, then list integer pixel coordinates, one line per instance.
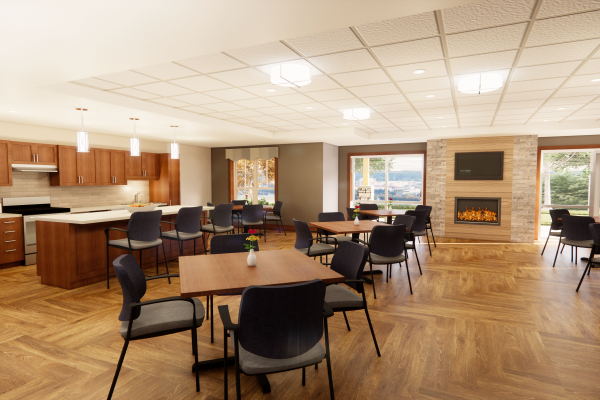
(354, 114)
(83, 143)
(174, 145)
(134, 143)
(290, 75)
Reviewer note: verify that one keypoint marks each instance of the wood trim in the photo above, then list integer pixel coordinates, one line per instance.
(276, 178)
(538, 178)
(384, 153)
(230, 180)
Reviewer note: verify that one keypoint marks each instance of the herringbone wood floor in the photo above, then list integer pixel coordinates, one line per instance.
(486, 321)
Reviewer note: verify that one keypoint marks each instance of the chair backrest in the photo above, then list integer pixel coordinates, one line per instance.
(253, 213)
(406, 220)
(210, 213)
(555, 215)
(350, 211)
(238, 202)
(281, 321)
(221, 244)
(421, 221)
(222, 215)
(304, 237)
(387, 240)
(277, 208)
(595, 231)
(369, 207)
(144, 225)
(188, 219)
(426, 208)
(329, 217)
(133, 284)
(349, 260)
(576, 227)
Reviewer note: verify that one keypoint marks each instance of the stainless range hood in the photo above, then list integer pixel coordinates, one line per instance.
(34, 168)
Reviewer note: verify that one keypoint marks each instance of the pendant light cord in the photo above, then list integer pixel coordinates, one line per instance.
(81, 118)
(134, 128)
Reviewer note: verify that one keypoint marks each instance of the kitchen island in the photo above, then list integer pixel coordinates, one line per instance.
(71, 248)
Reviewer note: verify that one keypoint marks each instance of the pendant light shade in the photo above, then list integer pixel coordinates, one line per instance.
(480, 83)
(174, 146)
(354, 114)
(83, 143)
(290, 75)
(134, 143)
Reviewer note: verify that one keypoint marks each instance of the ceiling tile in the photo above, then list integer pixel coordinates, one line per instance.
(404, 120)
(293, 128)
(258, 125)
(568, 108)
(556, 53)
(551, 8)
(305, 120)
(170, 102)
(483, 62)
(521, 104)
(393, 108)
(545, 120)
(516, 111)
(579, 91)
(593, 112)
(97, 83)
(583, 80)
(419, 85)
(565, 29)
(590, 66)
(410, 52)
(440, 117)
(476, 114)
(434, 107)
(127, 78)
(477, 100)
(381, 89)
(593, 106)
(166, 71)
(309, 107)
(242, 77)
(477, 107)
(342, 104)
(510, 122)
(290, 116)
(196, 109)
(328, 95)
(321, 82)
(263, 118)
(323, 113)
(337, 118)
(255, 103)
(211, 63)
(405, 72)
(486, 13)
(195, 98)
(399, 29)
(138, 94)
(553, 114)
(401, 114)
(163, 89)
(535, 95)
(562, 101)
(514, 117)
(326, 42)
(223, 107)
(345, 123)
(544, 71)
(240, 121)
(422, 96)
(290, 99)
(582, 118)
(314, 71)
(464, 120)
(245, 113)
(537, 84)
(277, 123)
(344, 62)
(486, 40)
(200, 83)
(317, 126)
(382, 100)
(266, 53)
(231, 94)
(360, 78)
(263, 90)
(276, 110)
(220, 116)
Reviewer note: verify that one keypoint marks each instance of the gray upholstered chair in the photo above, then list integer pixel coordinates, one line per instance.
(556, 225)
(349, 260)
(210, 213)
(428, 220)
(420, 225)
(238, 214)
(595, 231)
(386, 247)
(148, 319)
(286, 337)
(305, 243)
(409, 239)
(253, 216)
(275, 216)
(325, 236)
(221, 220)
(575, 233)
(143, 232)
(369, 206)
(188, 226)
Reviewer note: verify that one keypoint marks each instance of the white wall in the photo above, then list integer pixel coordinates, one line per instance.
(195, 175)
(330, 178)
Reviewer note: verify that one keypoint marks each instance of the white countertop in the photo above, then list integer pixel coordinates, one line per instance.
(103, 208)
(98, 217)
(8, 215)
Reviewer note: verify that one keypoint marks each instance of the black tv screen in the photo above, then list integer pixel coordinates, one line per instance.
(484, 166)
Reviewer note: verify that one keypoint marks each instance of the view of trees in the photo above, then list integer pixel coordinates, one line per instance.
(566, 178)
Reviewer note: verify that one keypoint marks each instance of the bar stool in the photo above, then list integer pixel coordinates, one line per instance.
(187, 227)
(143, 232)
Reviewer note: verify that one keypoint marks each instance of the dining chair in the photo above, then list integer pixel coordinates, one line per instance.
(148, 319)
(428, 220)
(369, 206)
(305, 243)
(386, 247)
(595, 231)
(188, 226)
(276, 217)
(350, 211)
(253, 215)
(575, 233)
(556, 225)
(221, 220)
(279, 329)
(209, 217)
(420, 225)
(143, 233)
(409, 238)
(238, 214)
(325, 236)
(349, 260)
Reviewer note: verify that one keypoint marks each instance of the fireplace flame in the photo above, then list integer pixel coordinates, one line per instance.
(480, 215)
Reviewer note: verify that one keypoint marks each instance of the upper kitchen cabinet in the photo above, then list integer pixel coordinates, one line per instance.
(110, 167)
(75, 169)
(5, 163)
(144, 167)
(34, 153)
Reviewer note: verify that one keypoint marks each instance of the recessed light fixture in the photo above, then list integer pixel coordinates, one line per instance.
(13, 111)
(271, 90)
(290, 75)
(480, 83)
(354, 114)
(419, 71)
(561, 108)
(430, 95)
(309, 108)
(440, 117)
(596, 80)
(444, 126)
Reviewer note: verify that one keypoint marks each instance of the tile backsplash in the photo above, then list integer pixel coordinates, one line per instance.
(32, 184)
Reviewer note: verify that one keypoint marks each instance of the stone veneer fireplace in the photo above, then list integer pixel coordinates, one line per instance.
(477, 210)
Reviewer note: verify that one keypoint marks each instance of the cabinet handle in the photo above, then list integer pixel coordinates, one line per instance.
(8, 251)
(169, 202)
(10, 222)
(9, 231)
(9, 241)
(37, 158)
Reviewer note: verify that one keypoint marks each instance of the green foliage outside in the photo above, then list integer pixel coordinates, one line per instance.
(397, 206)
(375, 165)
(264, 202)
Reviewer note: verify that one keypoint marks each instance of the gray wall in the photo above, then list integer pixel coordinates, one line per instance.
(343, 163)
(569, 140)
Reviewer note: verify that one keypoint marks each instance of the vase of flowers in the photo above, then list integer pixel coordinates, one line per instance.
(250, 247)
(246, 199)
(390, 203)
(356, 214)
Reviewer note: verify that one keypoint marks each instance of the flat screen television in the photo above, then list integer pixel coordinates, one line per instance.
(483, 166)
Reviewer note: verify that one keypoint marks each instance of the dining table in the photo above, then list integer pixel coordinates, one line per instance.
(229, 274)
(388, 214)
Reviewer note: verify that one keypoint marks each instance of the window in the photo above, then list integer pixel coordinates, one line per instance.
(255, 179)
(399, 177)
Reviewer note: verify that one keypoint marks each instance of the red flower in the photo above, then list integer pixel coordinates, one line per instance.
(356, 206)
(252, 231)
(390, 199)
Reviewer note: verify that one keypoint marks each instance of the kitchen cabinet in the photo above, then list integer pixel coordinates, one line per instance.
(5, 163)
(144, 167)
(34, 153)
(167, 189)
(110, 167)
(12, 251)
(74, 169)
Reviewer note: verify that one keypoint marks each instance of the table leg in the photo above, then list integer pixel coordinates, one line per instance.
(389, 220)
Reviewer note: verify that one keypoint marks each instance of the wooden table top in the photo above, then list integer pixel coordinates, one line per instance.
(265, 208)
(383, 213)
(344, 227)
(212, 274)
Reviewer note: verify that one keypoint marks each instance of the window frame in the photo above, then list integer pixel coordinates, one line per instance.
(232, 188)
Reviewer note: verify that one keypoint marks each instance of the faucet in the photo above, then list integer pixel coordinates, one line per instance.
(137, 197)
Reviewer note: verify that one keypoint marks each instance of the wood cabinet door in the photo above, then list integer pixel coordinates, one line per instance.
(133, 167)
(45, 153)
(117, 167)
(174, 183)
(22, 153)
(86, 167)
(5, 164)
(150, 164)
(67, 167)
(103, 167)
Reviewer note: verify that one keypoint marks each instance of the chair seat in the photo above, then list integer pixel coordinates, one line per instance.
(318, 249)
(331, 240)
(377, 259)
(409, 245)
(250, 223)
(579, 243)
(182, 235)
(135, 244)
(272, 217)
(556, 233)
(339, 296)
(428, 226)
(160, 317)
(253, 364)
(419, 233)
(219, 229)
